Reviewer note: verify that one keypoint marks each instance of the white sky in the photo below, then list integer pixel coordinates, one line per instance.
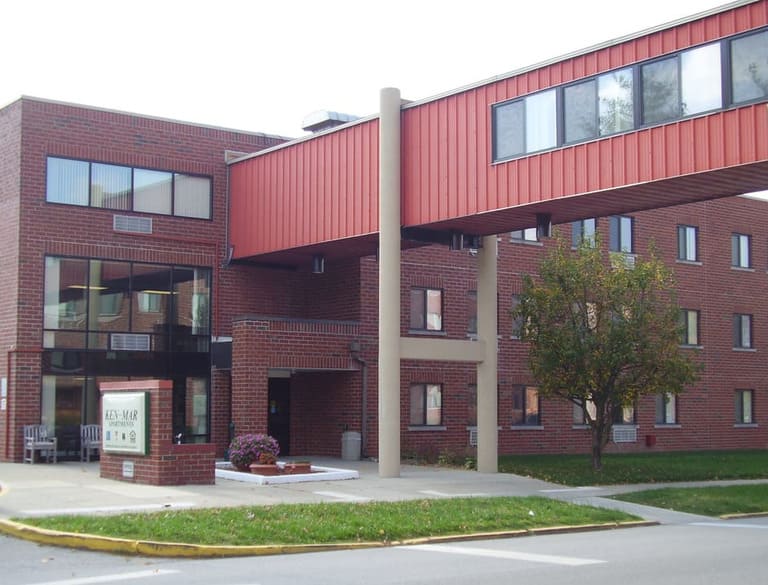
(263, 65)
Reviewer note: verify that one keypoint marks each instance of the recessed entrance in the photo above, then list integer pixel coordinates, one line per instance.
(279, 412)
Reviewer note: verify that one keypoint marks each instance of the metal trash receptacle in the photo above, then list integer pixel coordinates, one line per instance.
(350, 446)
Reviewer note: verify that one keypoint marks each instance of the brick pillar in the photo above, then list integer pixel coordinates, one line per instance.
(249, 375)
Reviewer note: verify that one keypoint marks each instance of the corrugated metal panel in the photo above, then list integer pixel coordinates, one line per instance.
(309, 192)
(445, 140)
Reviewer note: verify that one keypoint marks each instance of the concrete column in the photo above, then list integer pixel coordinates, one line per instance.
(389, 283)
(487, 370)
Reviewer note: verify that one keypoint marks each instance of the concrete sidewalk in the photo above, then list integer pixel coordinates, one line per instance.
(77, 488)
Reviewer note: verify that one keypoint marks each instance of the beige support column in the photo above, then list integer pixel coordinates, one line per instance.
(487, 370)
(389, 283)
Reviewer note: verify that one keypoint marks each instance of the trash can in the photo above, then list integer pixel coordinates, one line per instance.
(350, 446)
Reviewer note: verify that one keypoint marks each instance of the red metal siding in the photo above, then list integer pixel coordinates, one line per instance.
(317, 190)
(448, 140)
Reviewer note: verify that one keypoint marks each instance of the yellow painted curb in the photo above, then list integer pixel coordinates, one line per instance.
(174, 549)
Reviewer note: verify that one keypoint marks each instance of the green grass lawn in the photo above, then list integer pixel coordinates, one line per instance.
(336, 522)
(708, 501)
(576, 470)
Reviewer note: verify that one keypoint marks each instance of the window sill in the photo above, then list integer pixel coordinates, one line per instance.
(667, 426)
(745, 425)
(742, 269)
(526, 428)
(580, 427)
(422, 428)
(690, 262)
(427, 332)
(687, 346)
(526, 242)
(745, 349)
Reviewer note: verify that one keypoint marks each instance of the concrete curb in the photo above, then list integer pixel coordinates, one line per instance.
(745, 515)
(178, 550)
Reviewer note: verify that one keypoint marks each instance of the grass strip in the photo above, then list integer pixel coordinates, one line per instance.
(632, 468)
(336, 522)
(706, 501)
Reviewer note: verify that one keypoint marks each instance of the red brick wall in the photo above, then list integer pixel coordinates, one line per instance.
(15, 413)
(50, 128)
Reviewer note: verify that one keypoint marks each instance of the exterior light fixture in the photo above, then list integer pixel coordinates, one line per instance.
(318, 264)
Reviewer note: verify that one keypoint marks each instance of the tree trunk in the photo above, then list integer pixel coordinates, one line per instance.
(597, 450)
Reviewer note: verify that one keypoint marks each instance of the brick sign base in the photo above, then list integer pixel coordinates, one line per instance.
(166, 463)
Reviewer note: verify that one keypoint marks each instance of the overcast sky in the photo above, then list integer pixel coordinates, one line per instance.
(264, 65)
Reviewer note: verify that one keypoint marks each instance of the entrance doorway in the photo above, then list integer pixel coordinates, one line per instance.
(279, 412)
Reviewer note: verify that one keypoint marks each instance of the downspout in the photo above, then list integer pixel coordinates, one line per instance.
(364, 396)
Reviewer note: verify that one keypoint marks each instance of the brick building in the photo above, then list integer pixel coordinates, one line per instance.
(135, 247)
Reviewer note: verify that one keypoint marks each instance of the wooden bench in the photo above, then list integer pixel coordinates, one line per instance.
(90, 440)
(36, 439)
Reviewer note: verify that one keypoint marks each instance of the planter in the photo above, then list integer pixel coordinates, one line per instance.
(264, 468)
(298, 467)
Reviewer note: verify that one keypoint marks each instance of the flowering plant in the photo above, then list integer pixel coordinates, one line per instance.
(247, 449)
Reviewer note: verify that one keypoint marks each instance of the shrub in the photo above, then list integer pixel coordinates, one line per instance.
(247, 449)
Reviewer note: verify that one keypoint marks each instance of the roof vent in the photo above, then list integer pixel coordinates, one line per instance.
(323, 120)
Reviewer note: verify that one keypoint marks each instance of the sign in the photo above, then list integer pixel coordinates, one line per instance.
(125, 422)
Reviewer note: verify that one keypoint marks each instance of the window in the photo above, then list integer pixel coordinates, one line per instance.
(84, 304)
(578, 413)
(744, 407)
(75, 182)
(666, 409)
(525, 406)
(740, 251)
(426, 405)
(689, 324)
(684, 84)
(517, 322)
(526, 235)
(624, 415)
(426, 309)
(472, 405)
(620, 234)
(749, 68)
(687, 243)
(742, 331)
(583, 231)
(525, 125)
(472, 312)
(599, 106)
(701, 79)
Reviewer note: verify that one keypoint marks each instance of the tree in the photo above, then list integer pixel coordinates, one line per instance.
(602, 333)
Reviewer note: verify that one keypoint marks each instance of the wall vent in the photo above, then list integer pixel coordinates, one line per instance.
(129, 342)
(624, 434)
(132, 224)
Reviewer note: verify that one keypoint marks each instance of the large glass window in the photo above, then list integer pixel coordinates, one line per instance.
(75, 182)
(749, 67)
(426, 405)
(526, 125)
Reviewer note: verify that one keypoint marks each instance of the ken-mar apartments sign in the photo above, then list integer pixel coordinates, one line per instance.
(125, 422)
